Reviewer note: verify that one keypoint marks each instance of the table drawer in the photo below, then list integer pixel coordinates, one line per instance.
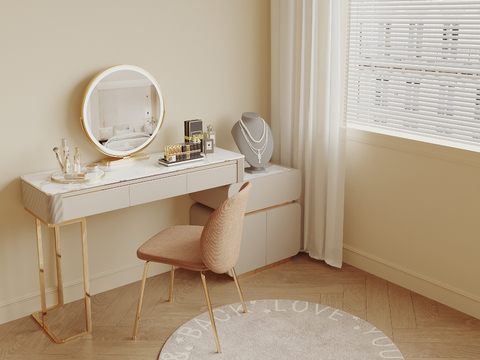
(158, 189)
(97, 202)
(211, 178)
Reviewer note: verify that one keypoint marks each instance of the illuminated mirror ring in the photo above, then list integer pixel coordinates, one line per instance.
(122, 110)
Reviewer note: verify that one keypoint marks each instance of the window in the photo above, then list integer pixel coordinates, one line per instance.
(414, 70)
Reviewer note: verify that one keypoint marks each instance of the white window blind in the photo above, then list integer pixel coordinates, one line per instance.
(414, 70)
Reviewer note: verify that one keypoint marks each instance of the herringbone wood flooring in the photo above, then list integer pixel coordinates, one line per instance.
(420, 327)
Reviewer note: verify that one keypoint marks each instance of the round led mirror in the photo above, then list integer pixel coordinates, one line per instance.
(122, 110)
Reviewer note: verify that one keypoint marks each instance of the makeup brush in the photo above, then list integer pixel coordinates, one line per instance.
(55, 150)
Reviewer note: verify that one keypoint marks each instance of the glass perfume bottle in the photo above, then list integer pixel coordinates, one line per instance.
(209, 140)
(77, 161)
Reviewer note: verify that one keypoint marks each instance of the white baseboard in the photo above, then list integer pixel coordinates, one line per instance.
(28, 304)
(418, 283)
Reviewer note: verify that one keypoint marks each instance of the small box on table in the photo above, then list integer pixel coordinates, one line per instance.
(194, 131)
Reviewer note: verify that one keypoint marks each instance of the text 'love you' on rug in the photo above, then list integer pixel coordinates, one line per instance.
(279, 329)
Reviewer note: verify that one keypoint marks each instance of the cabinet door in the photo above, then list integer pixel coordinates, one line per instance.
(253, 249)
(283, 232)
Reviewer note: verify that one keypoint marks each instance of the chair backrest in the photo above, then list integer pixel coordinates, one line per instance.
(222, 234)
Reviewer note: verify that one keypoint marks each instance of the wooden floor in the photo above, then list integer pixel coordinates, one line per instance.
(420, 327)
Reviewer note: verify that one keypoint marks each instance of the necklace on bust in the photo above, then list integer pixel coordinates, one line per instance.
(249, 139)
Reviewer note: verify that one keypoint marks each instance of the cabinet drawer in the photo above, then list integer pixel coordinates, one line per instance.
(158, 189)
(211, 178)
(98, 202)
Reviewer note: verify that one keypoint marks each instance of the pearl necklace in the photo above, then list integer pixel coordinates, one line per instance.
(247, 136)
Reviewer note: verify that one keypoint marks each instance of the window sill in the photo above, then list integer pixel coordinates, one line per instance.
(442, 152)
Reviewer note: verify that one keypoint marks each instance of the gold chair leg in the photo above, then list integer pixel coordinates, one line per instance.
(140, 300)
(210, 311)
(170, 293)
(239, 291)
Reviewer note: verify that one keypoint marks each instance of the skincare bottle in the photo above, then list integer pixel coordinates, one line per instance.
(77, 162)
(67, 165)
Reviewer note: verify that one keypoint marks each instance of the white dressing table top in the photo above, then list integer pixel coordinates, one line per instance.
(131, 171)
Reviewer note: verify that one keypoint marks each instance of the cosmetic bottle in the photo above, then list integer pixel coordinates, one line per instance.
(67, 165)
(77, 161)
(209, 140)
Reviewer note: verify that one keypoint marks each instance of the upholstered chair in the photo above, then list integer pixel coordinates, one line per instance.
(214, 247)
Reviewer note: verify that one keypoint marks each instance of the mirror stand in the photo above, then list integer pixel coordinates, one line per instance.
(112, 161)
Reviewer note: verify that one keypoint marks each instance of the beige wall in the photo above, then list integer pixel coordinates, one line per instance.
(412, 216)
(212, 61)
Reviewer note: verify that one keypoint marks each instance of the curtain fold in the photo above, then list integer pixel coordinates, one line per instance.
(308, 52)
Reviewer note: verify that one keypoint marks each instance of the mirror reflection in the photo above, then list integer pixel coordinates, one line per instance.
(122, 110)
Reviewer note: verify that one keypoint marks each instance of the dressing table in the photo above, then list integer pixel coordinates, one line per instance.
(55, 204)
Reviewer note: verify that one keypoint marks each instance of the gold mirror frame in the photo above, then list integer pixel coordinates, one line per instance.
(86, 118)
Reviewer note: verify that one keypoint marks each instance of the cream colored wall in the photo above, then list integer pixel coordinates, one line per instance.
(412, 216)
(212, 61)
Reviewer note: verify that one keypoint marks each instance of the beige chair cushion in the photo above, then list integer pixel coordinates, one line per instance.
(215, 247)
(177, 245)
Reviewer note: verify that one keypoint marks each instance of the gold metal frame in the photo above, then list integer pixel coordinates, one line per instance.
(170, 299)
(41, 315)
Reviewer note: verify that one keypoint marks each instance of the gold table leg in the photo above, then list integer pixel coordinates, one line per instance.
(58, 261)
(42, 320)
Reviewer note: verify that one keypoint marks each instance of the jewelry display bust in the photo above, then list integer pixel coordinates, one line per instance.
(254, 139)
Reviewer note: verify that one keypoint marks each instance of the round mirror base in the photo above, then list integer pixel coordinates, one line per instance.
(125, 160)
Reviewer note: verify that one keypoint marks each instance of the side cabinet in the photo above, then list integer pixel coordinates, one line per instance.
(272, 225)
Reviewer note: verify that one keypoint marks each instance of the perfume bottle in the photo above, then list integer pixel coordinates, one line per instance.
(209, 140)
(77, 161)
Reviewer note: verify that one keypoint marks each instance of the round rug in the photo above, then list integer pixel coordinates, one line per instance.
(279, 329)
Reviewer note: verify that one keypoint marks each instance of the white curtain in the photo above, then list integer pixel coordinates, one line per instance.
(308, 52)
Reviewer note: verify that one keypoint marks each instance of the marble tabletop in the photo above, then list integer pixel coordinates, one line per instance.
(121, 173)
